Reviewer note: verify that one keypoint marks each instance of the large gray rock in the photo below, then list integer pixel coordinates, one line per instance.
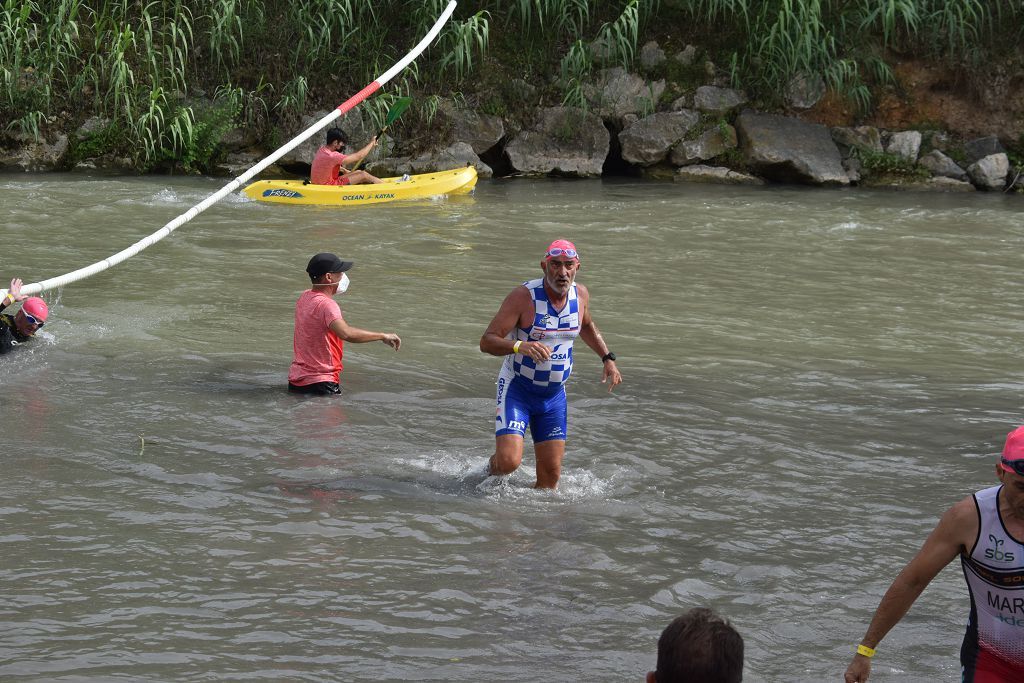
(562, 141)
(789, 150)
(941, 165)
(989, 173)
(480, 131)
(905, 144)
(803, 92)
(237, 163)
(714, 175)
(979, 148)
(866, 138)
(936, 139)
(715, 100)
(93, 125)
(651, 55)
(649, 140)
(687, 56)
(618, 94)
(708, 145)
(29, 154)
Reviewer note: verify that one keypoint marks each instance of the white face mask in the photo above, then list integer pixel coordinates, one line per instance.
(343, 283)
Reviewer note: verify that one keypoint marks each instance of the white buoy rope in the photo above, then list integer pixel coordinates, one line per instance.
(350, 103)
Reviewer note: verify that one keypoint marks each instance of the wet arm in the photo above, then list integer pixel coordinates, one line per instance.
(359, 336)
(12, 294)
(357, 157)
(592, 337)
(950, 537)
(516, 306)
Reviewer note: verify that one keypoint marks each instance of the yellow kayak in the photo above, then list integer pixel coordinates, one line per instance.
(456, 181)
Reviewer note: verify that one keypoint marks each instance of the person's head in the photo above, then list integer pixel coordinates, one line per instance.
(560, 263)
(336, 135)
(327, 272)
(699, 647)
(1010, 469)
(32, 315)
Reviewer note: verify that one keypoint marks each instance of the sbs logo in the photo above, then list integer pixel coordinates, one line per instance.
(996, 553)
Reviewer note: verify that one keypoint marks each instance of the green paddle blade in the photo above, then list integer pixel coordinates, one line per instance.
(400, 105)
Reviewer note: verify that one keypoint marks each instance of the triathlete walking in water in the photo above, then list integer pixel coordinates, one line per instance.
(534, 330)
(986, 530)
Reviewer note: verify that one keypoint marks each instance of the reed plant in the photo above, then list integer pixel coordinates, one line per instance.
(461, 41)
(549, 16)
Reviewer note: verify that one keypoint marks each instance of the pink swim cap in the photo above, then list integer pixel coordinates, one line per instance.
(1014, 448)
(36, 308)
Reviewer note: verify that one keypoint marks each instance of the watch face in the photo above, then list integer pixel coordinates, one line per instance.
(609, 356)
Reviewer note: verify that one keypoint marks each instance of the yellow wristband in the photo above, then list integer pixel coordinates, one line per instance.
(515, 347)
(865, 650)
(9, 299)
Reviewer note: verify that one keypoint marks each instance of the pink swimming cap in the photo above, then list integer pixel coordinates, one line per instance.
(560, 247)
(1014, 448)
(36, 308)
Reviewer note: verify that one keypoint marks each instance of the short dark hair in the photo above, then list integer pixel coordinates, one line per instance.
(700, 647)
(336, 134)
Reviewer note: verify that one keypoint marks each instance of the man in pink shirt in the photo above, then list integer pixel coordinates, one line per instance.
(328, 163)
(321, 332)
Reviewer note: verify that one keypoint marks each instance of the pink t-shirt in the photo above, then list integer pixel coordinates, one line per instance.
(324, 170)
(317, 350)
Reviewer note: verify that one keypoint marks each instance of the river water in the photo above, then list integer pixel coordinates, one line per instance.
(811, 378)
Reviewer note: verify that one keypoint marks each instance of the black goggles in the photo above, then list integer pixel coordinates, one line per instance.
(1015, 465)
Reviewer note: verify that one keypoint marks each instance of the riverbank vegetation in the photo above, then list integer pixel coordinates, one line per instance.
(167, 78)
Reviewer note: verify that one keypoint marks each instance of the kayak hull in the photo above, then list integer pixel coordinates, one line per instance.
(422, 186)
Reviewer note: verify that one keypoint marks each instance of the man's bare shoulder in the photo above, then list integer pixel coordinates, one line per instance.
(519, 295)
(961, 520)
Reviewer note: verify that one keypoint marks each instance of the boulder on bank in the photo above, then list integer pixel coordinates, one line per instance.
(905, 144)
(789, 150)
(708, 145)
(562, 141)
(866, 138)
(651, 55)
(989, 173)
(649, 140)
(619, 94)
(31, 155)
(714, 100)
(805, 90)
(979, 148)
(480, 131)
(941, 165)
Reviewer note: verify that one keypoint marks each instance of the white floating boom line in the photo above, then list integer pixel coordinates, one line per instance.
(350, 103)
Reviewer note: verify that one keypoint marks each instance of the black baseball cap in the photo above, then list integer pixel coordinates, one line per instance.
(327, 262)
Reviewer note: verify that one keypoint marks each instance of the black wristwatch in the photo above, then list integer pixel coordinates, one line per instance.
(608, 356)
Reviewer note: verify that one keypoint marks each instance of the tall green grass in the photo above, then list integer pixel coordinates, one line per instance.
(142, 64)
(845, 41)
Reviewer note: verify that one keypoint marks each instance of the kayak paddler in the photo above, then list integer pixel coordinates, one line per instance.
(329, 168)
